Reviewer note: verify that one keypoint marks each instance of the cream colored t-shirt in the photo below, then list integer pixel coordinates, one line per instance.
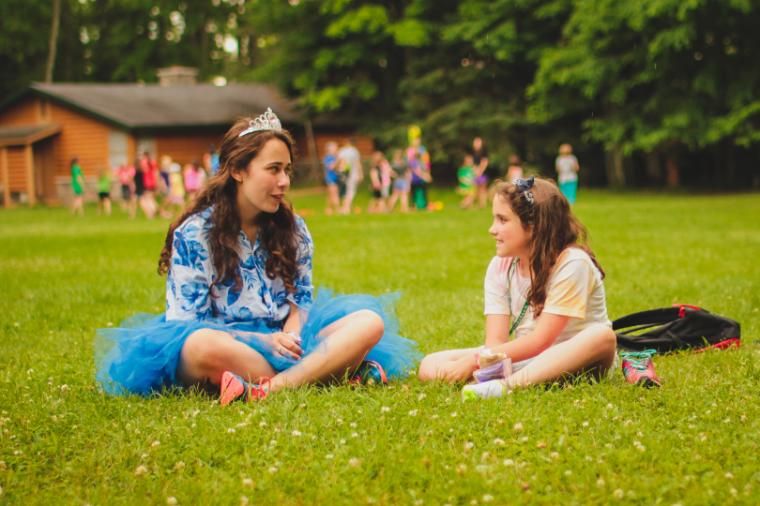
(575, 289)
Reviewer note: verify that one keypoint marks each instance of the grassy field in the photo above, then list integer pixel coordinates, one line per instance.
(694, 441)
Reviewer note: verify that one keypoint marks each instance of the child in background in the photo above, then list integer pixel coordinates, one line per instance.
(386, 179)
(402, 183)
(176, 186)
(175, 189)
(376, 204)
(77, 186)
(193, 177)
(466, 178)
(329, 163)
(515, 170)
(104, 192)
(380, 182)
(567, 168)
(418, 161)
(125, 173)
(544, 287)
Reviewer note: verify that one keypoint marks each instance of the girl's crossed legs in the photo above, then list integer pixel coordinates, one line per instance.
(208, 353)
(592, 349)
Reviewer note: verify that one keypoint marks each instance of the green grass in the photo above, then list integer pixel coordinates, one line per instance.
(694, 441)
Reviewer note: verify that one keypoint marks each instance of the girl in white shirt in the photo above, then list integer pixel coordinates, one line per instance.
(543, 289)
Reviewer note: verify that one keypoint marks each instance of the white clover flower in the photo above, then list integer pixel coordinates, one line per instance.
(273, 469)
(517, 427)
(141, 470)
(247, 482)
(155, 443)
(413, 412)
(179, 466)
(618, 493)
(171, 500)
(385, 409)
(499, 442)
(296, 433)
(354, 462)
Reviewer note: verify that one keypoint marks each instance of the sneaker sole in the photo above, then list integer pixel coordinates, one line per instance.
(648, 383)
(231, 389)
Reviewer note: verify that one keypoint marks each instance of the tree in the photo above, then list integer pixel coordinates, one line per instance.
(651, 77)
(472, 76)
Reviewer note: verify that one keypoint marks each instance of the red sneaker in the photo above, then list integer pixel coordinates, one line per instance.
(638, 368)
(234, 387)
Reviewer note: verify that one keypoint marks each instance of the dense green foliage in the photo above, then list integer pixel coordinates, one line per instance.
(693, 441)
(649, 92)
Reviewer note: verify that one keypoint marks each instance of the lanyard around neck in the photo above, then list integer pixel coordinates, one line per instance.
(519, 319)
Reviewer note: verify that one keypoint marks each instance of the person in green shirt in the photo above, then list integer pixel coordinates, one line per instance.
(104, 192)
(466, 178)
(77, 186)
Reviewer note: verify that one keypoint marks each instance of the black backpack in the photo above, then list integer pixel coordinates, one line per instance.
(680, 327)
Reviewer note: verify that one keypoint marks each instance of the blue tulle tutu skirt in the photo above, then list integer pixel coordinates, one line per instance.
(142, 355)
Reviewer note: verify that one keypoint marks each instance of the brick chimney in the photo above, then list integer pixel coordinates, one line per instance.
(177, 75)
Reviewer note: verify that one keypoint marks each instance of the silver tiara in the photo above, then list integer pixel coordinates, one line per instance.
(267, 121)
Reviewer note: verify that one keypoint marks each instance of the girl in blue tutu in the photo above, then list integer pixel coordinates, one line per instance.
(240, 314)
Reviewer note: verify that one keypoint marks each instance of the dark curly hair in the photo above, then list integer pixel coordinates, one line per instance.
(277, 231)
(554, 228)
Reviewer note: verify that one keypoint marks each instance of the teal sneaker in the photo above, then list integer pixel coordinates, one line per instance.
(638, 368)
(370, 373)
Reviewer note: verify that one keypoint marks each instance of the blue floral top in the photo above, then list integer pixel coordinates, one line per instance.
(189, 294)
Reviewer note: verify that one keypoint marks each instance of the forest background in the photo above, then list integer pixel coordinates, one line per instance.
(651, 93)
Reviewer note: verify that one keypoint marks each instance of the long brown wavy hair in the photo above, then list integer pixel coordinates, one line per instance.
(553, 228)
(277, 231)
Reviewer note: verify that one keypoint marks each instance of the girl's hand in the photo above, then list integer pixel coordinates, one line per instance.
(287, 344)
(459, 370)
